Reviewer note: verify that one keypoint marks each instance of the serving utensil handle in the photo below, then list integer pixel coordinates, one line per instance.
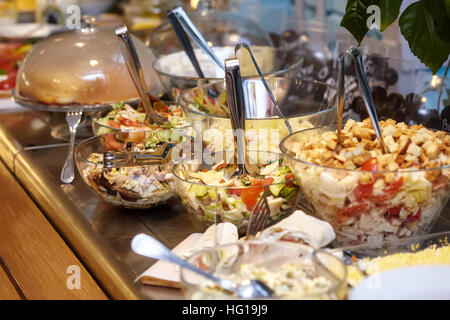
(365, 90)
(147, 246)
(136, 72)
(184, 40)
(68, 171)
(237, 108)
(196, 35)
(263, 80)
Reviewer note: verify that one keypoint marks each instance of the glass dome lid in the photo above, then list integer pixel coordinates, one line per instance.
(81, 67)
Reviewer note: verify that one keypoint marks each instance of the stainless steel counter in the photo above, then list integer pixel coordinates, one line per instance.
(98, 233)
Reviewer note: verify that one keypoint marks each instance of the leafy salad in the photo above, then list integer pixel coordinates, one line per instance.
(124, 117)
(212, 195)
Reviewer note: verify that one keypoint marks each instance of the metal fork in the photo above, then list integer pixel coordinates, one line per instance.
(73, 119)
(259, 216)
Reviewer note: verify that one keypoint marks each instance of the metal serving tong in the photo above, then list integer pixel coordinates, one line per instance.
(128, 157)
(179, 16)
(263, 80)
(237, 112)
(365, 89)
(137, 74)
(184, 40)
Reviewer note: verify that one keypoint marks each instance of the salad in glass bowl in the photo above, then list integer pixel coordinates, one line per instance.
(206, 109)
(211, 195)
(291, 270)
(11, 55)
(368, 196)
(123, 117)
(140, 174)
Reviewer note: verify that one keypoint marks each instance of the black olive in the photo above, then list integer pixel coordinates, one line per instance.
(359, 107)
(394, 102)
(391, 76)
(434, 123)
(379, 97)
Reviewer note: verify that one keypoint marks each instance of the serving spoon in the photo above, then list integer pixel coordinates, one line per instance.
(147, 246)
(137, 75)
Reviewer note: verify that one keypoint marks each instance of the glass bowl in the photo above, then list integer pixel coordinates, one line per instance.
(389, 206)
(304, 273)
(312, 105)
(137, 184)
(176, 71)
(220, 29)
(220, 200)
(125, 117)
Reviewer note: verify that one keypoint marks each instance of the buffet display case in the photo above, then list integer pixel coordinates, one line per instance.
(319, 203)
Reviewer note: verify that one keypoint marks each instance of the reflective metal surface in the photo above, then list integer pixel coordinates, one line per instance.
(98, 233)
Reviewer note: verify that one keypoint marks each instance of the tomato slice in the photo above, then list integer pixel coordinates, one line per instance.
(114, 124)
(351, 211)
(370, 165)
(289, 176)
(394, 211)
(389, 191)
(250, 194)
(128, 122)
(220, 166)
(363, 191)
(414, 217)
(112, 144)
(163, 108)
(8, 84)
(177, 112)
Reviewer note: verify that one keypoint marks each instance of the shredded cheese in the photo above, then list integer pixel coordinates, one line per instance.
(433, 255)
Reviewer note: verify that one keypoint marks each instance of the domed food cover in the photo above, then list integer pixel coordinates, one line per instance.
(81, 67)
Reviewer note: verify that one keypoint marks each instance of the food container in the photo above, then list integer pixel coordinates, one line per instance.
(124, 117)
(365, 204)
(11, 56)
(313, 105)
(210, 196)
(367, 260)
(80, 67)
(407, 245)
(176, 71)
(220, 29)
(138, 184)
(293, 271)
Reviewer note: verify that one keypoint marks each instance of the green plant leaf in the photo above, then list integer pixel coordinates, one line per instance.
(355, 18)
(389, 12)
(438, 10)
(417, 26)
(356, 15)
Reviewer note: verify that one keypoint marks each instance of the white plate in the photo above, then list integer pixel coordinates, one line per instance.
(27, 30)
(411, 283)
